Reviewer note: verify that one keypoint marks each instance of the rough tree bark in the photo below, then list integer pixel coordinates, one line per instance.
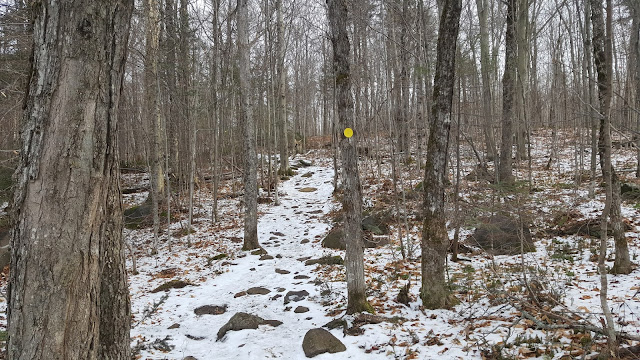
(282, 95)
(152, 113)
(352, 197)
(485, 69)
(602, 56)
(508, 92)
(635, 53)
(435, 240)
(245, 116)
(522, 77)
(402, 117)
(622, 263)
(68, 296)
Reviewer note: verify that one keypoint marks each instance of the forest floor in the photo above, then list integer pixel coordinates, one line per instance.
(511, 306)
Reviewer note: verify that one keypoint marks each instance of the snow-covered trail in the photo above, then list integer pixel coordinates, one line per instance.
(282, 231)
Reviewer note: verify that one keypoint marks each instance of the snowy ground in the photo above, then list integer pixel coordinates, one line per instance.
(164, 325)
(281, 230)
(481, 321)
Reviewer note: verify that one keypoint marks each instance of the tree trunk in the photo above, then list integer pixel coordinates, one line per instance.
(403, 105)
(352, 199)
(152, 113)
(522, 40)
(487, 99)
(602, 56)
(508, 92)
(282, 95)
(622, 264)
(68, 295)
(215, 111)
(245, 116)
(435, 240)
(635, 53)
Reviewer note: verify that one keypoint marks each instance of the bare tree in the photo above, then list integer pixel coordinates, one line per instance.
(245, 117)
(508, 93)
(352, 199)
(282, 95)
(634, 6)
(602, 55)
(635, 46)
(435, 240)
(485, 66)
(152, 113)
(68, 295)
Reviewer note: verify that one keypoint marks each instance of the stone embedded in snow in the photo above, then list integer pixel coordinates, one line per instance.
(295, 296)
(242, 321)
(274, 323)
(189, 358)
(307, 175)
(241, 293)
(193, 337)
(301, 309)
(300, 277)
(319, 341)
(210, 310)
(335, 240)
(173, 284)
(266, 257)
(304, 241)
(174, 326)
(258, 291)
(326, 260)
(283, 272)
(277, 233)
(307, 189)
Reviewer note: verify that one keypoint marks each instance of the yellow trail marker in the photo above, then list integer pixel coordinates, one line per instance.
(348, 132)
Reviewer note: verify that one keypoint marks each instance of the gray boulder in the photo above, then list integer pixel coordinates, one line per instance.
(335, 239)
(295, 296)
(242, 321)
(319, 341)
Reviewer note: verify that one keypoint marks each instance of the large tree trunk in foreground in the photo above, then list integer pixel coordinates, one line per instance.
(68, 296)
(435, 240)
(352, 199)
(245, 116)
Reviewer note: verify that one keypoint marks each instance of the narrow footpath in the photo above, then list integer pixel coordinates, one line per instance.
(278, 286)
